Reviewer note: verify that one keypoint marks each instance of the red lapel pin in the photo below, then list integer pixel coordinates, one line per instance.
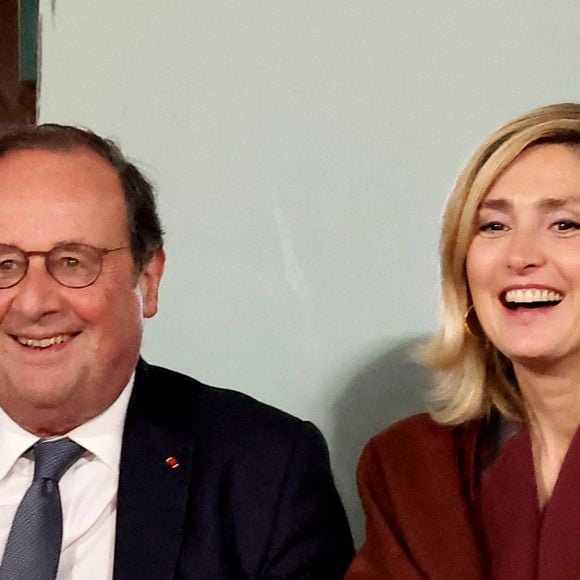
(172, 462)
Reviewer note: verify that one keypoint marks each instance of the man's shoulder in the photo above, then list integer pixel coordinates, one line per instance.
(217, 412)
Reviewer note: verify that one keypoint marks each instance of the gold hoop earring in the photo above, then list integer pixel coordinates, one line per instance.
(471, 323)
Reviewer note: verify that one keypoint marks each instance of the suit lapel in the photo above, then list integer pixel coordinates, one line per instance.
(154, 480)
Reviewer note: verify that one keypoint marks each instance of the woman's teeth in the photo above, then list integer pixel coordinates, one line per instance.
(529, 295)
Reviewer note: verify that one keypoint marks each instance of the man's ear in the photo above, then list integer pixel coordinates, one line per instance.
(149, 281)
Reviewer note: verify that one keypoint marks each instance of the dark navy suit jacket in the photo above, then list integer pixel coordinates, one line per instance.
(214, 485)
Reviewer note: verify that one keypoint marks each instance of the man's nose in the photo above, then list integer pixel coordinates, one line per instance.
(38, 293)
(526, 251)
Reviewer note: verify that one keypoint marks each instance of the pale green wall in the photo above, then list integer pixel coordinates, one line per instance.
(303, 150)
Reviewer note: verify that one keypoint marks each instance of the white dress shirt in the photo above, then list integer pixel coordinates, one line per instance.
(88, 490)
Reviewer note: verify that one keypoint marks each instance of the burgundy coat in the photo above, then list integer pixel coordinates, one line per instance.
(417, 484)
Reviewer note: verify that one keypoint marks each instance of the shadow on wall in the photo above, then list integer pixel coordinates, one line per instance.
(389, 388)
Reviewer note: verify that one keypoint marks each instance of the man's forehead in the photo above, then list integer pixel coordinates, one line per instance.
(79, 168)
(59, 184)
(78, 154)
(52, 195)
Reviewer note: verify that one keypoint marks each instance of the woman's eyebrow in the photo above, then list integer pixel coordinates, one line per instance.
(558, 202)
(497, 204)
(546, 203)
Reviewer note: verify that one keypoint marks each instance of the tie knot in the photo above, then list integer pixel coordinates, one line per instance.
(53, 458)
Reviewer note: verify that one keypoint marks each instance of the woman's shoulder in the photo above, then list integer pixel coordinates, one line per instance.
(420, 439)
(415, 482)
(413, 428)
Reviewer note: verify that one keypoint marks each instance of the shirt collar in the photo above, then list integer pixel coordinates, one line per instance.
(102, 435)
(14, 442)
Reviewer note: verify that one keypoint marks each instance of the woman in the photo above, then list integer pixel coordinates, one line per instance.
(488, 484)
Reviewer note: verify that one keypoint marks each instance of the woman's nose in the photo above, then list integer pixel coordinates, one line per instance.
(525, 251)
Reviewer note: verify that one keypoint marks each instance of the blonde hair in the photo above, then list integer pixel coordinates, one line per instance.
(473, 377)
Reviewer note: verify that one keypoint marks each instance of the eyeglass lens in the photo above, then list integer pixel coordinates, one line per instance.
(72, 265)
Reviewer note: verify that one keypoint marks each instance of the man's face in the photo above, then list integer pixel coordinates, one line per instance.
(46, 199)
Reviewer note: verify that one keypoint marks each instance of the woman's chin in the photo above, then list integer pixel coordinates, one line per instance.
(542, 360)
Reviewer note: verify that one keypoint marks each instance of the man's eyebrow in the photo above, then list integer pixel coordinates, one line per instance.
(68, 242)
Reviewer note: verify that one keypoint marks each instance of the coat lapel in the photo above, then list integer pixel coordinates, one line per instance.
(154, 480)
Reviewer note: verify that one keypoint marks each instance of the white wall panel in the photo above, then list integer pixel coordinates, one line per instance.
(302, 152)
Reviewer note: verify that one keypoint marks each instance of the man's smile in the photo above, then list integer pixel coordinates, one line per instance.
(44, 342)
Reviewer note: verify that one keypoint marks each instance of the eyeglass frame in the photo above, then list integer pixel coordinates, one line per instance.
(101, 252)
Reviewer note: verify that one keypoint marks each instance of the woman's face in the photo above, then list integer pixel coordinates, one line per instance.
(523, 266)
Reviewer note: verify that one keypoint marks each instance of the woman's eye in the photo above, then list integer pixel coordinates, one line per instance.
(491, 227)
(566, 226)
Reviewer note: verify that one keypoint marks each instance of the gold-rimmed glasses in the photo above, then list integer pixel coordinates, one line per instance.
(72, 265)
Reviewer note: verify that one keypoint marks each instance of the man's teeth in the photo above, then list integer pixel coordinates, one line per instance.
(43, 342)
(532, 295)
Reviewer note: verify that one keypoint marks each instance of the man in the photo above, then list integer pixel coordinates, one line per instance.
(175, 479)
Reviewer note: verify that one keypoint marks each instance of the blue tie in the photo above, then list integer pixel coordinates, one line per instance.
(34, 543)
